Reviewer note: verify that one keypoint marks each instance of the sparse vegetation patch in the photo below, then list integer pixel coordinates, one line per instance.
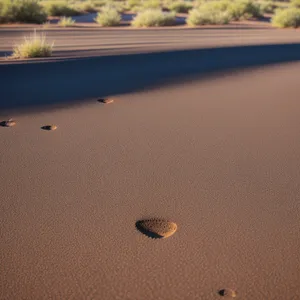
(108, 16)
(284, 18)
(66, 22)
(153, 18)
(33, 46)
(22, 11)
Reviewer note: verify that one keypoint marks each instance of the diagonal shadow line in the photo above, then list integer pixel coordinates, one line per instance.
(37, 84)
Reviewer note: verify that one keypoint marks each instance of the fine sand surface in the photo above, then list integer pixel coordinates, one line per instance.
(218, 155)
(97, 41)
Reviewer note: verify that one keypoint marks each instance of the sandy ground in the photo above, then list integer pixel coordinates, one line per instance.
(90, 41)
(207, 137)
(218, 155)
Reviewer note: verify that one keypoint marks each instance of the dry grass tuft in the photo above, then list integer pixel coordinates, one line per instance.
(66, 22)
(33, 46)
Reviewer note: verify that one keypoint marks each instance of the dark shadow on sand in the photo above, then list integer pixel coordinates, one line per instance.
(150, 234)
(30, 85)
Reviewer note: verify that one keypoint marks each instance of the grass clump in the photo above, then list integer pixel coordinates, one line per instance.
(109, 16)
(208, 14)
(284, 18)
(23, 11)
(66, 22)
(61, 8)
(153, 18)
(33, 46)
(180, 7)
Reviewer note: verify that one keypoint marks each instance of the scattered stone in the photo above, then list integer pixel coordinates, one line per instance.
(49, 127)
(156, 228)
(9, 123)
(106, 100)
(227, 293)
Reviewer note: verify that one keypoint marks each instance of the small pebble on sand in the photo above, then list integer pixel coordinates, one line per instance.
(227, 293)
(49, 127)
(106, 100)
(156, 228)
(8, 123)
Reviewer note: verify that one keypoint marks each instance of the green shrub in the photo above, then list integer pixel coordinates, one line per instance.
(108, 16)
(209, 14)
(66, 22)
(289, 17)
(153, 18)
(33, 46)
(180, 7)
(244, 9)
(59, 9)
(23, 11)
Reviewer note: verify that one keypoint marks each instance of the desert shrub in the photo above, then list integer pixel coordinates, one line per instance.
(138, 5)
(289, 17)
(295, 3)
(33, 46)
(180, 7)
(98, 3)
(153, 18)
(151, 4)
(66, 22)
(267, 6)
(120, 6)
(88, 7)
(244, 9)
(208, 14)
(222, 5)
(108, 16)
(134, 5)
(60, 8)
(24, 11)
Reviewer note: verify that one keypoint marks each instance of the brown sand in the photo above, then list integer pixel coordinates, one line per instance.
(220, 157)
(86, 42)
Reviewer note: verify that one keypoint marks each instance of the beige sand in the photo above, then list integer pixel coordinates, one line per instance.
(220, 157)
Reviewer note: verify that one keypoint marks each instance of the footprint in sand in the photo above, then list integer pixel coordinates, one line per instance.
(156, 228)
(229, 293)
(49, 127)
(106, 100)
(8, 123)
